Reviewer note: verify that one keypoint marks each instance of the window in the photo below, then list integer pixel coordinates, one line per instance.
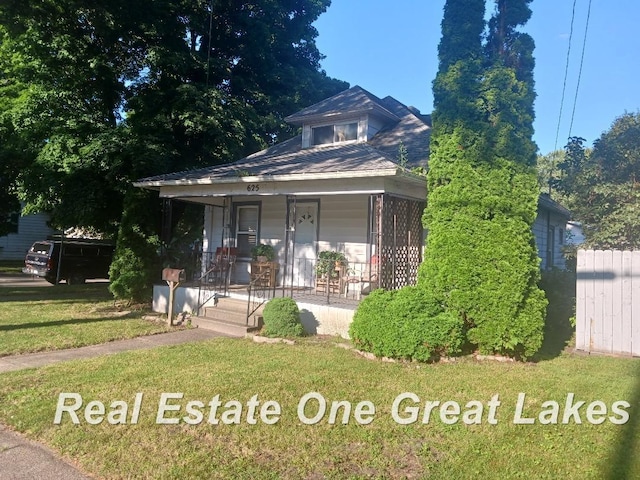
(247, 219)
(334, 133)
(561, 236)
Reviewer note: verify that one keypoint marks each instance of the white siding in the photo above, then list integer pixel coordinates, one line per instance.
(374, 126)
(544, 221)
(343, 225)
(31, 228)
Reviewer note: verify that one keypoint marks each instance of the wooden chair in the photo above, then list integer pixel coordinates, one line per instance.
(222, 265)
(332, 283)
(368, 276)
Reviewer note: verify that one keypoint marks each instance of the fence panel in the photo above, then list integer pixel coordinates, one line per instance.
(608, 302)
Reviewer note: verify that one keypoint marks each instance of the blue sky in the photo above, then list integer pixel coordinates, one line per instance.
(389, 47)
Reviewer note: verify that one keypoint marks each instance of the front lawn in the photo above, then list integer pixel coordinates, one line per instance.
(41, 318)
(11, 267)
(289, 449)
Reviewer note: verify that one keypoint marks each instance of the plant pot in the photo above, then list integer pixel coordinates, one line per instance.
(261, 258)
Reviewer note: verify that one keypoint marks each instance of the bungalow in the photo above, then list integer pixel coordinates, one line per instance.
(343, 184)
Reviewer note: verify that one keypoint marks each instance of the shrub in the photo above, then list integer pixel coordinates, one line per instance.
(282, 318)
(263, 250)
(136, 263)
(406, 324)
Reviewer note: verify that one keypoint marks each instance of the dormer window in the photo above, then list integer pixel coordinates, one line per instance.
(327, 134)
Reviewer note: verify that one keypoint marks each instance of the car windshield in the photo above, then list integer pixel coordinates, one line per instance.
(42, 248)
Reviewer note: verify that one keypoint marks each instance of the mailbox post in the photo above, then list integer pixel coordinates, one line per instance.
(173, 277)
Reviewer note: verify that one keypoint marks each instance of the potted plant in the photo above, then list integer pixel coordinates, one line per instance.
(329, 264)
(263, 253)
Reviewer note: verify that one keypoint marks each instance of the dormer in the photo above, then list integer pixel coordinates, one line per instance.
(351, 116)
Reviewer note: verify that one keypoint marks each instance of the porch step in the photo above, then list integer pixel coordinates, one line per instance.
(221, 326)
(229, 316)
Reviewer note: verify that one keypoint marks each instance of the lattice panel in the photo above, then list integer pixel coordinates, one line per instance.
(401, 241)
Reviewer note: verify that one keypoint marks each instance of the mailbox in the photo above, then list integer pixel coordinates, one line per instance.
(173, 275)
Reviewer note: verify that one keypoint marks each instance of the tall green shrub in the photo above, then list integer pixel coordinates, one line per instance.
(481, 262)
(136, 264)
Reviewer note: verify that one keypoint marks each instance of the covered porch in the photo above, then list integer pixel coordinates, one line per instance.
(348, 202)
(378, 235)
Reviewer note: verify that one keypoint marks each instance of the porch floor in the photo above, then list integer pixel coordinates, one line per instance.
(300, 294)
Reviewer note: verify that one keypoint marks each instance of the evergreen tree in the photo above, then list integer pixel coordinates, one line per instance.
(481, 262)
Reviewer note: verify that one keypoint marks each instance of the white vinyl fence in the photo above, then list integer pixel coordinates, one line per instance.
(608, 302)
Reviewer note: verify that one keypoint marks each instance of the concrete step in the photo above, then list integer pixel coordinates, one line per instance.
(229, 316)
(221, 326)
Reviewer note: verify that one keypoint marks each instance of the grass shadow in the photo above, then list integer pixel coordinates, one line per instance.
(96, 291)
(619, 464)
(560, 289)
(56, 323)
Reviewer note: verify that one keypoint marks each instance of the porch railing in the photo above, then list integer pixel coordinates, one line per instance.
(260, 291)
(350, 280)
(215, 276)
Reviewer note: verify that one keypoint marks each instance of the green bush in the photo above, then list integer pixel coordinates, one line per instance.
(136, 263)
(282, 318)
(406, 324)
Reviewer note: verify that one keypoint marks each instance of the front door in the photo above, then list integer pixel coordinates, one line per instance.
(306, 241)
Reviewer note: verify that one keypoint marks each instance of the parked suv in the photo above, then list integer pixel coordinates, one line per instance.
(80, 260)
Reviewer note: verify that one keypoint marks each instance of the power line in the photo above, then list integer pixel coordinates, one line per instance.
(584, 43)
(566, 73)
(209, 45)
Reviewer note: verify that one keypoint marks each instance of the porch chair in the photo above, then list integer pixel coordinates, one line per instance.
(368, 275)
(331, 283)
(222, 265)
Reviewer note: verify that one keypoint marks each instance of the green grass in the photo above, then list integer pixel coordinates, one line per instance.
(239, 369)
(11, 266)
(41, 318)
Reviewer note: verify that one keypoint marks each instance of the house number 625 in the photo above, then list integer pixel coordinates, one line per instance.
(253, 188)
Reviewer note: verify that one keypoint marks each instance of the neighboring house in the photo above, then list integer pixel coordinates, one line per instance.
(26, 230)
(575, 235)
(342, 184)
(550, 230)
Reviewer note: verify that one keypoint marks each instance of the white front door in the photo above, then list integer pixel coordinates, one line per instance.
(306, 240)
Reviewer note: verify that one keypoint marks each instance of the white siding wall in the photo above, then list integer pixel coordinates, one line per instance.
(31, 228)
(374, 126)
(343, 227)
(541, 229)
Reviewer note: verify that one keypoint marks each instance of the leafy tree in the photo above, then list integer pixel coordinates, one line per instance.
(603, 186)
(548, 167)
(481, 262)
(95, 95)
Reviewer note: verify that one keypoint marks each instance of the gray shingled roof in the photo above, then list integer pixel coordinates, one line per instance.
(353, 101)
(546, 202)
(289, 158)
(354, 157)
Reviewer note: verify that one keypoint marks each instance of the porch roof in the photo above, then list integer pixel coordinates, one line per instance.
(287, 161)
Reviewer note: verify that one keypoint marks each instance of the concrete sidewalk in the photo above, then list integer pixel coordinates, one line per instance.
(21, 458)
(34, 360)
